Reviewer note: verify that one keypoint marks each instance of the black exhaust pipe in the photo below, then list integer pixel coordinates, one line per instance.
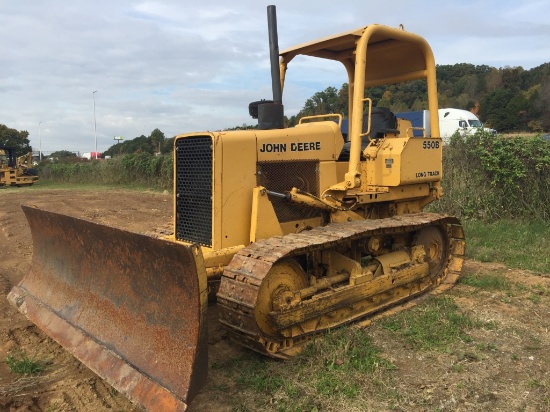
(270, 114)
(274, 54)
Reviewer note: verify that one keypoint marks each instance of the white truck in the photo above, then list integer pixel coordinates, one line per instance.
(91, 155)
(450, 121)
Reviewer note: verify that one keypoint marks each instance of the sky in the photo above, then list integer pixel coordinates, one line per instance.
(187, 66)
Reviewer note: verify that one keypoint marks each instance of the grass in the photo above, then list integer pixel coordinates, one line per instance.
(347, 349)
(343, 369)
(54, 406)
(19, 362)
(339, 367)
(340, 359)
(434, 325)
(519, 245)
(488, 282)
(44, 184)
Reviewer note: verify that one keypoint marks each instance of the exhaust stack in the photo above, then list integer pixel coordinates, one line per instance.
(270, 113)
(274, 54)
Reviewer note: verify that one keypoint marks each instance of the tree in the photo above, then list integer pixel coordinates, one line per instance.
(157, 139)
(329, 101)
(324, 102)
(142, 144)
(15, 138)
(511, 78)
(493, 80)
(502, 108)
(63, 155)
(168, 145)
(342, 102)
(544, 101)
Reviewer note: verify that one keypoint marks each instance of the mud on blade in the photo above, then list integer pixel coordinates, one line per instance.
(130, 307)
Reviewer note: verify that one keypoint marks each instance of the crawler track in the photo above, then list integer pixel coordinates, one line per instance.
(238, 294)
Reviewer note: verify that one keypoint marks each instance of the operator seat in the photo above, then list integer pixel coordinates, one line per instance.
(382, 121)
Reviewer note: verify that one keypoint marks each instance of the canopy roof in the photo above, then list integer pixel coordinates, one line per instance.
(392, 55)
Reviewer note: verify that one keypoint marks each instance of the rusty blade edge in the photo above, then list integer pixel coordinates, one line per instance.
(106, 364)
(167, 348)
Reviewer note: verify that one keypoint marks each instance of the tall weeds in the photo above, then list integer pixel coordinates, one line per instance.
(485, 176)
(134, 169)
(491, 177)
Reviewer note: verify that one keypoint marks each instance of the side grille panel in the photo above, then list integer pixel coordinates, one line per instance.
(194, 190)
(283, 176)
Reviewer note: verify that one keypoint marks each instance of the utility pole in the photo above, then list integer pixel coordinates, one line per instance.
(95, 127)
(40, 141)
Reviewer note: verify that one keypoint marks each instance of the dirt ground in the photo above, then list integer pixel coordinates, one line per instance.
(509, 373)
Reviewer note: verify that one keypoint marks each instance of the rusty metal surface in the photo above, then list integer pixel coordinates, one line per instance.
(242, 278)
(132, 308)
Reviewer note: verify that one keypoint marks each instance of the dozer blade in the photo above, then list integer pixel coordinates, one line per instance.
(130, 307)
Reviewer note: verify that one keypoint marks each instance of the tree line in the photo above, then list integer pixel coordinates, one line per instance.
(506, 99)
(155, 143)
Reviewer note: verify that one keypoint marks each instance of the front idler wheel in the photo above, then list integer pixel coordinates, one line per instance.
(277, 292)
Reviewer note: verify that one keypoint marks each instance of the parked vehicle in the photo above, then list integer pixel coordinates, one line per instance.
(16, 170)
(450, 121)
(91, 155)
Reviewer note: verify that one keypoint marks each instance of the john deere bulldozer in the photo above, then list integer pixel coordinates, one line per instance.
(295, 230)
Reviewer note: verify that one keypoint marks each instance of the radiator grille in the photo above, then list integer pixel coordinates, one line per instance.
(194, 190)
(283, 176)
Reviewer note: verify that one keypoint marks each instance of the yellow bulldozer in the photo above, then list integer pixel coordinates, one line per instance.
(16, 170)
(294, 230)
